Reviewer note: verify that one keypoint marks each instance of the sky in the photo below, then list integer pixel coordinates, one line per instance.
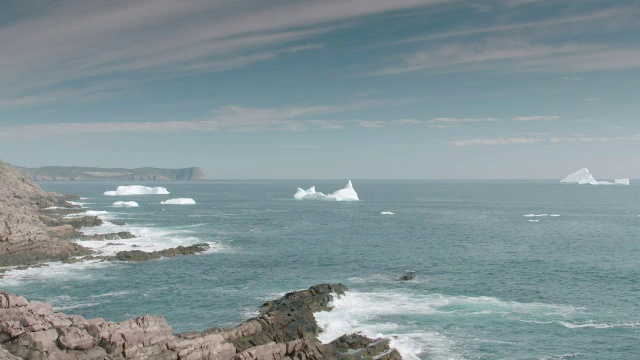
(324, 89)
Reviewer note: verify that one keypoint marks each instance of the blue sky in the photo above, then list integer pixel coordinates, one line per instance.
(324, 88)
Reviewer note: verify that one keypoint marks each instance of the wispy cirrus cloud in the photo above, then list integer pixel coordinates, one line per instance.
(85, 39)
(495, 141)
(537, 118)
(578, 138)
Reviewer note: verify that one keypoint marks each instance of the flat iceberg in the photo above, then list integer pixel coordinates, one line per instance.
(346, 194)
(125, 204)
(179, 201)
(582, 176)
(615, 182)
(137, 190)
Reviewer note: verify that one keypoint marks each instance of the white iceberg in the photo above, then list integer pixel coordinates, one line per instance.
(179, 201)
(582, 176)
(615, 182)
(137, 190)
(310, 193)
(346, 194)
(125, 204)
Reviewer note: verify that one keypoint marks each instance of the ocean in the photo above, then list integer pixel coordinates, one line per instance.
(504, 269)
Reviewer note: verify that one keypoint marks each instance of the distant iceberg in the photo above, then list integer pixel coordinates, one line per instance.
(615, 182)
(179, 201)
(137, 190)
(346, 194)
(582, 176)
(125, 204)
(310, 193)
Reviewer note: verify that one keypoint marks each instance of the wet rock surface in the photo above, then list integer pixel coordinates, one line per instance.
(285, 329)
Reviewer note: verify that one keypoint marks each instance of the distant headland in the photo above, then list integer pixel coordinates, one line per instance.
(80, 173)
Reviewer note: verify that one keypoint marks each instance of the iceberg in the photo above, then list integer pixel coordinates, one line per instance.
(125, 204)
(137, 190)
(346, 194)
(615, 182)
(179, 201)
(621, 181)
(310, 193)
(582, 176)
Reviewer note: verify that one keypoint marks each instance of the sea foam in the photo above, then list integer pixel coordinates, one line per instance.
(127, 190)
(125, 204)
(179, 201)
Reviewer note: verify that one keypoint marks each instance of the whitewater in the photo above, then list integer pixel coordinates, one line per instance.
(535, 269)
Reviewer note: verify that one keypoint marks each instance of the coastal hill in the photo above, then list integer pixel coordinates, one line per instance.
(79, 173)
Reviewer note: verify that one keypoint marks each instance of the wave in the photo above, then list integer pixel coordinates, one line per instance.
(125, 204)
(598, 326)
(126, 190)
(179, 201)
(387, 213)
(99, 213)
(393, 315)
(53, 270)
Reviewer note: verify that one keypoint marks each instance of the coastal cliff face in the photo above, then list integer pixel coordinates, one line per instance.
(284, 330)
(66, 173)
(24, 231)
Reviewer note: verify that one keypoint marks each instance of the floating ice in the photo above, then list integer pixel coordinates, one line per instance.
(615, 182)
(582, 176)
(125, 204)
(137, 190)
(346, 194)
(387, 213)
(310, 193)
(179, 201)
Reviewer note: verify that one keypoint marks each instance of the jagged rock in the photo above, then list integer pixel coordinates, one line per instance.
(122, 235)
(23, 232)
(285, 329)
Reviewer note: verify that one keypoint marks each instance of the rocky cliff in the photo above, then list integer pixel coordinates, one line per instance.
(25, 232)
(65, 173)
(285, 329)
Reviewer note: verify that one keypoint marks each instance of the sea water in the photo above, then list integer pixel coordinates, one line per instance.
(524, 270)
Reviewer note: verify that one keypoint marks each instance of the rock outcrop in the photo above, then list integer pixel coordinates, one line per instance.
(66, 173)
(24, 231)
(285, 329)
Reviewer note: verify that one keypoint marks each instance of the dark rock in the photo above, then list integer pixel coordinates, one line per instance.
(123, 235)
(139, 255)
(409, 275)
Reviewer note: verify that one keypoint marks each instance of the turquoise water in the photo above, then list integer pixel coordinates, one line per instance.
(490, 282)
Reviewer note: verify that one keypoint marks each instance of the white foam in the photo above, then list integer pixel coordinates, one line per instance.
(582, 176)
(598, 326)
(536, 215)
(125, 204)
(147, 239)
(369, 313)
(54, 207)
(101, 214)
(534, 220)
(179, 201)
(127, 190)
(55, 270)
(346, 194)
(387, 213)
(615, 182)
(76, 203)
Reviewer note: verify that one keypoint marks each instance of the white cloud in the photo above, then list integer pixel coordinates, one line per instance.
(495, 141)
(536, 118)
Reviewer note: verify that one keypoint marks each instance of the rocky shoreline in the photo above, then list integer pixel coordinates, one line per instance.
(285, 329)
(35, 227)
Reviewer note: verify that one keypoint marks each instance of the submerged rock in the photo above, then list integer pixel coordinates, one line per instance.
(409, 275)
